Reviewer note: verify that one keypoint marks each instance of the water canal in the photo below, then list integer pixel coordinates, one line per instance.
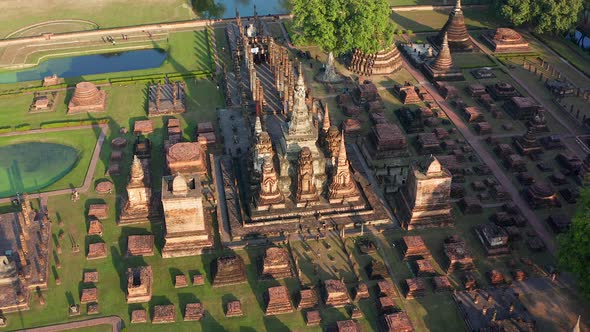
(82, 65)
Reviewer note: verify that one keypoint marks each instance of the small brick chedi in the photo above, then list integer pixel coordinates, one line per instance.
(87, 98)
(137, 206)
(336, 293)
(187, 158)
(459, 40)
(425, 199)
(139, 284)
(187, 231)
(276, 264)
(506, 40)
(278, 301)
(228, 270)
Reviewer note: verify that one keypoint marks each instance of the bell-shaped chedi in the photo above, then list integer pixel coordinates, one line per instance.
(269, 196)
(306, 188)
(87, 98)
(343, 187)
(137, 206)
(506, 40)
(442, 67)
(459, 40)
(384, 62)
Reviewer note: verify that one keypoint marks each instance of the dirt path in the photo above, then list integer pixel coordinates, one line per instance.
(89, 172)
(115, 321)
(486, 158)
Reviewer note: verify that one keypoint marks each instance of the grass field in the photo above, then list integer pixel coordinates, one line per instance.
(423, 21)
(568, 50)
(47, 174)
(16, 14)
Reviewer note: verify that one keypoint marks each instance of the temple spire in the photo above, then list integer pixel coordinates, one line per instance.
(257, 123)
(326, 122)
(136, 169)
(577, 326)
(300, 80)
(342, 157)
(443, 60)
(458, 6)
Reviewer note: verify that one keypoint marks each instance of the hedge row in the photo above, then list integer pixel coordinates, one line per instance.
(118, 81)
(56, 124)
(74, 123)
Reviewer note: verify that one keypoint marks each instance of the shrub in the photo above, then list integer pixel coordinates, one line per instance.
(23, 127)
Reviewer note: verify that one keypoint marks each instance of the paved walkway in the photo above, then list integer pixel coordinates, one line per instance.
(91, 167)
(115, 321)
(486, 158)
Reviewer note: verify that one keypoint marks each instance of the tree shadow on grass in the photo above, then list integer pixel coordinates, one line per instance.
(273, 323)
(184, 299)
(405, 23)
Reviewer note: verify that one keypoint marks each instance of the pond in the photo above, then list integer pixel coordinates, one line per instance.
(88, 65)
(27, 167)
(227, 8)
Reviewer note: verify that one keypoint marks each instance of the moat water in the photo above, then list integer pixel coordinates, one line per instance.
(83, 65)
(227, 8)
(31, 166)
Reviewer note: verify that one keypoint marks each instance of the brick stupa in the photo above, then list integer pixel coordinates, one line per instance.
(87, 98)
(228, 270)
(458, 37)
(278, 301)
(506, 40)
(276, 264)
(187, 158)
(442, 67)
(336, 294)
(381, 63)
(137, 206)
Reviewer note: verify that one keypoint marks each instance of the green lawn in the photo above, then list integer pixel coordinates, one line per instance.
(46, 167)
(112, 284)
(568, 50)
(426, 21)
(16, 14)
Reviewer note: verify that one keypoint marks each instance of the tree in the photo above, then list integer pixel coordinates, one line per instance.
(557, 16)
(208, 8)
(341, 26)
(574, 246)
